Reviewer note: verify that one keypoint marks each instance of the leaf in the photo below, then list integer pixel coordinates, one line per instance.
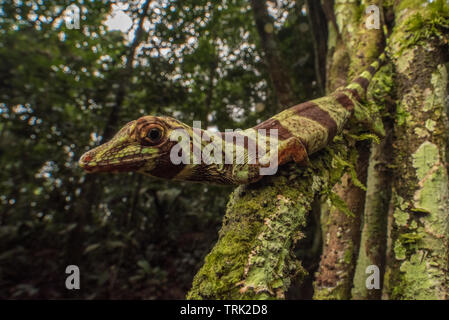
(365, 136)
(91, 247)
(340, 204)
(144, 265)
(115, 244)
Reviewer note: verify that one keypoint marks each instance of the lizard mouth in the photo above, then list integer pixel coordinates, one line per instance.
(86, 163)
(123, 165)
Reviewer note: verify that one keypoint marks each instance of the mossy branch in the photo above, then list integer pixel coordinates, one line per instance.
(253, 256)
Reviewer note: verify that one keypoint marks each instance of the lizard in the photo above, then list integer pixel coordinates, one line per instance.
(144, 145)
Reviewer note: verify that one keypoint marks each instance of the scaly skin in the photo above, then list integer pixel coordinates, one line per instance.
(144, 146)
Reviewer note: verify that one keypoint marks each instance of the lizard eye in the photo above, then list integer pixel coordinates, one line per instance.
(154, 135)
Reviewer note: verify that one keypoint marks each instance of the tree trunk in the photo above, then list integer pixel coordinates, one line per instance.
(318, 27)
(374, 232)
(418, 256)
(272, 56)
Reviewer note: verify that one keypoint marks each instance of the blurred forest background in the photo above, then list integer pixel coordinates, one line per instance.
(63, 91)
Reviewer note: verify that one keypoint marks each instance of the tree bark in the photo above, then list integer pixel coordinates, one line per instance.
(418, 256)
(337, 265)
(374, 232)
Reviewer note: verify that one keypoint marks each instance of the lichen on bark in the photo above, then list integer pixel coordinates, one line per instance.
(418, 258)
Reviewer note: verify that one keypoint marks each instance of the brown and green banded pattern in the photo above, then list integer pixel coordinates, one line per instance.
(144, 146)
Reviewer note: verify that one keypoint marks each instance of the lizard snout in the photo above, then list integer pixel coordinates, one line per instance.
(84, 162)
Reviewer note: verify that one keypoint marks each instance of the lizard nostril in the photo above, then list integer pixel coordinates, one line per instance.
(86, 158)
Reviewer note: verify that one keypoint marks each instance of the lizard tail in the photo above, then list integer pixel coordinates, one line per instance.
(316, 122)
(358, 87)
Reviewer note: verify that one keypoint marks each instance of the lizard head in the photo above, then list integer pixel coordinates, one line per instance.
(138, 146)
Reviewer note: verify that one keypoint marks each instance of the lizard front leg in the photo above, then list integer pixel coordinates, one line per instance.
(293, 149)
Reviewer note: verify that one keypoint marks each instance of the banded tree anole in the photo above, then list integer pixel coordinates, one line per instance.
(144, 146)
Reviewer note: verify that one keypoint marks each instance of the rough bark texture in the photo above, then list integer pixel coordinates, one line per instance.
(418, 260)
(374, 232)
(334, 277)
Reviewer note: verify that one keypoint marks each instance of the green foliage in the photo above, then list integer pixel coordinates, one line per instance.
(339, 204)
(432, 22)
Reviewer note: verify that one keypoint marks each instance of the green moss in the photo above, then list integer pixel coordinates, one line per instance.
(382, 86)
(347, 257)
(388, 3)
(336, 293)
(420, 241)
(430, 20)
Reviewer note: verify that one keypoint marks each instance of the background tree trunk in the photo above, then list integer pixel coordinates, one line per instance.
(342, 239)
(277, 70)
